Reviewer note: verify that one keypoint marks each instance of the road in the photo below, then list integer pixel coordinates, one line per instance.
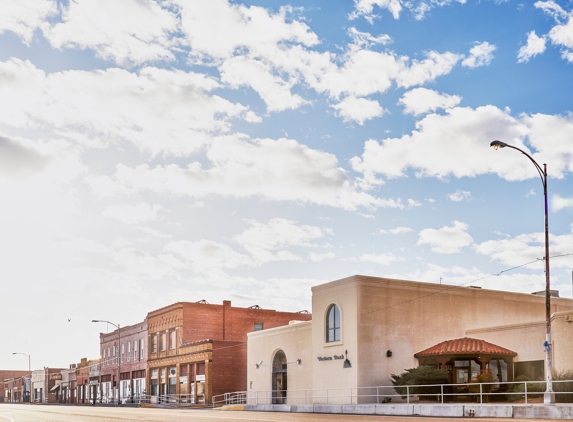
(35, 413)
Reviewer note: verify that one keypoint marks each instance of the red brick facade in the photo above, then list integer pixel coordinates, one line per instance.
(200, 350)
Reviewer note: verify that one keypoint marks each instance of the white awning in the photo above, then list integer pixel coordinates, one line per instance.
(55, 387)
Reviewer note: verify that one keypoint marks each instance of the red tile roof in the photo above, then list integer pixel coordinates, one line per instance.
(465, 346)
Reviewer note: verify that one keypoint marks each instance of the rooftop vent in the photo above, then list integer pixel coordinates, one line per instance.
(553, 293)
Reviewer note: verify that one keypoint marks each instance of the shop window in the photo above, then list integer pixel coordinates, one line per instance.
(258, 326)
(333, 324)
(498, 368)
(172, 337)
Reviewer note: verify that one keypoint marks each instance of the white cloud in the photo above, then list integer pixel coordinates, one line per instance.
(529, 247)
(401, 230)
(383, 259)
(23, 17)
(480, 55)
(460, 195)
(457, 144)
(366, 7)
(446, 240)
(133, 214)
(262, 240)
(365, 39)
(101, 25)
(358, 109)
(281, 170)
(535, 45)
(319, 257)
(203, 256)
(102, 106)
(422, 100)
(561, 34)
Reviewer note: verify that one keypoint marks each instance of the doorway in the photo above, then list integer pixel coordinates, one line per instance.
(279, 381)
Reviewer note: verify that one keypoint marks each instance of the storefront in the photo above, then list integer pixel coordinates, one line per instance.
(365, 328)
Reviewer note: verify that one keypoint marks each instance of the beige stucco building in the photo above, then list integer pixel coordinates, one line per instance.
(364, 329)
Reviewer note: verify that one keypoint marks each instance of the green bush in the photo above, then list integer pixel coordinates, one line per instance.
(533, 389)
(484, 376)
(563, 386)
(422, 375)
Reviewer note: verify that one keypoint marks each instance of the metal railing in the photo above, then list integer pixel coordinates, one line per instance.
(500, 393)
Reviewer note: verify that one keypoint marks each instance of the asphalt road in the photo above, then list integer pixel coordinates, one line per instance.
(35, 413)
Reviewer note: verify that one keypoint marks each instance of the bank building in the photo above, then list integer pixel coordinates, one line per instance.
(364, 329)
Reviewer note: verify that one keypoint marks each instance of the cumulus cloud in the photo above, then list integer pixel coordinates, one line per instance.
(158, 110)
(268, 242)
(535, 45)
(23, 17)
(422, 100)
(203, 256)
(358, 109)
(101, 25)
(446, 240)
(459, 142)
(460, 195)
(480, 55)
(418, 8)
(133, 214)
(560, 35)
(319, 257)
(278, 170)
(529, 247)
(401, 230)
(382, 259)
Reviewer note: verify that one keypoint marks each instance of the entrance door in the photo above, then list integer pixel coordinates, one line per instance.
(279, 381)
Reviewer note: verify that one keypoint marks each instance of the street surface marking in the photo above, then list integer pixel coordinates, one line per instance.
(10, 419)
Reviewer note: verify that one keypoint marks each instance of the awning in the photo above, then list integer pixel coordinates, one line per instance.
(55, 387)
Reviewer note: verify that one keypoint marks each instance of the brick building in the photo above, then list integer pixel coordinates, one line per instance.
(132, 357)
(81, 392)
(8, 375)
(199, 350)
(46, 384)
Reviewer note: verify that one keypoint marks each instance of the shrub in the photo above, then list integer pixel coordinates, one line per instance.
(484, 376)
(563, 386)
(422, 375)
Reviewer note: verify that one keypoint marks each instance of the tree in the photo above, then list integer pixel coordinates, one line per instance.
(420, 376)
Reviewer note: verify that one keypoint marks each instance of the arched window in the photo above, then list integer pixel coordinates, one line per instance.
(333, 324)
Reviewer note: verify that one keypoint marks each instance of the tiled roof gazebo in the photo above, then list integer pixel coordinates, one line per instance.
(447, 354)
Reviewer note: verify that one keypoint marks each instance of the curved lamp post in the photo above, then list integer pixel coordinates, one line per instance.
(549, 396)
(29, 370)
(118, 358)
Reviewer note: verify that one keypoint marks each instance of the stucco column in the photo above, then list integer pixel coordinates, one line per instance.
(509, 362)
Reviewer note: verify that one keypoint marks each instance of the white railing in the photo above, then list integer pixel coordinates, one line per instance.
(502, 393)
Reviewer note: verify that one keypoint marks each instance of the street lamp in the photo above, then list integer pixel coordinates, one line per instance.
(549, 396)
(29, 370)
(118, 357)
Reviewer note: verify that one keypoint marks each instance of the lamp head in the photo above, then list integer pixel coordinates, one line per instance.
(497, 145)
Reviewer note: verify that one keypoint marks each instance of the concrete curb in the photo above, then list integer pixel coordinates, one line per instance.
(446, 411)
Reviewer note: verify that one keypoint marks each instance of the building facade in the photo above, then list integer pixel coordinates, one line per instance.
(46, 385)
(199, 350)
(366, 328)
(124, 351)
(9, 375)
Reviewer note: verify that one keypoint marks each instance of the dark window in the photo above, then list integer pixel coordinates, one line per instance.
(333, 324)
(258, 326)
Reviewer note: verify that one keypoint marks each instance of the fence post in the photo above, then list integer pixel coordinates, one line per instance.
(378, 395)
(304, 396)
(526, 392)
(480, 393)
(407, 394)
(442, 392)
(327, 396)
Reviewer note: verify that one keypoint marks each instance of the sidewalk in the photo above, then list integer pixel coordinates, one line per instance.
(524, 411)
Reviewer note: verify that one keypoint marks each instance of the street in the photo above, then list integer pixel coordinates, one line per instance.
(27, 413)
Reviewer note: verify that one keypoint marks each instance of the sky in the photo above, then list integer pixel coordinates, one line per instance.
(156, 151)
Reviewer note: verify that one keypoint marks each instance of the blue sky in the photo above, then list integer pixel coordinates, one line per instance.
(160, 151)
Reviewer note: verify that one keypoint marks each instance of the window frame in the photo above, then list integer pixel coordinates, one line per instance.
(336, 329)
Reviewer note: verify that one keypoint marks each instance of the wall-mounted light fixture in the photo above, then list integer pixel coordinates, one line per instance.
(258, 364)
(298, 361)
(388, 353)
(346, 361)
